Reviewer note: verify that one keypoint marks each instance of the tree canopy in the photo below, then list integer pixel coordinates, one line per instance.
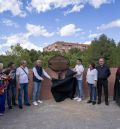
(100, 47)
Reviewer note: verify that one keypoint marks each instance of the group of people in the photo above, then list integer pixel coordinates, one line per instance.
(14, 80)
(96, 78)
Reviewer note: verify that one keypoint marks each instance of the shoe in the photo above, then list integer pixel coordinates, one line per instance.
(15, 104)
(107, 103)
(89, 101)
(28, 104)
(10, 107)
(99, 102)
(21, 107)
(1, 114)
(35, 103)
(79, 100)
(39, 101)
(93, 103)
(76, 98)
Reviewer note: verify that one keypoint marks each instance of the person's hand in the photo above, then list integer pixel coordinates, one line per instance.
(95, 84)
(50, 78)
(42, 79)
(18, 86)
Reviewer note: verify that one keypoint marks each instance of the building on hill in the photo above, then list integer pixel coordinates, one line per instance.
(64, 46)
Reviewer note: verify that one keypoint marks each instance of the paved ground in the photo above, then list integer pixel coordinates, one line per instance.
(66, 115)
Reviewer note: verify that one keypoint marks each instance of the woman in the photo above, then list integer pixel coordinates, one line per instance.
(117, 87)
(2, 90)
(92, 83)
(38, 73)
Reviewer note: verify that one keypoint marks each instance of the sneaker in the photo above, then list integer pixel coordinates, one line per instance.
(21, 107)
(39, 101)
(28, 104)
(35, 103)
(107, 103)
(76, 98)
(99, 102)
(79, 100)
(1, 114)
(10, 107)
(93, 103)
(14, 104)
(89, 101)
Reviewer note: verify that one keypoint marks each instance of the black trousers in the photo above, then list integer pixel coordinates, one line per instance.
(11, 94)
(102, 84)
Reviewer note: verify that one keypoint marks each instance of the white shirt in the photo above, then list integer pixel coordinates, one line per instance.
(39, 77)
(79, 69)
(91, 76)
(23, 77)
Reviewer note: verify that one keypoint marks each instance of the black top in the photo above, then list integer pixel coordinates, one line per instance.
(103, 72)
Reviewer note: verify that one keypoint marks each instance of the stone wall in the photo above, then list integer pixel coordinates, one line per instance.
(46, 85)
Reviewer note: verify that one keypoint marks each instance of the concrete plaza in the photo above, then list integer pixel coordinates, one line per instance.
(65, 115)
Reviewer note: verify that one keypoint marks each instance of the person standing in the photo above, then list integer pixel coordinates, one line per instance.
(11, 88)
(2, 91)
(92, 83)
(38, 73)
(79, 76)
(103, 74)
(22, 77)
(116, 96)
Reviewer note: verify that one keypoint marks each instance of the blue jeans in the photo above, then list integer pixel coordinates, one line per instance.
(79, 88)
(92, 90)
(36, 91)
(2, 102)
(23, 87)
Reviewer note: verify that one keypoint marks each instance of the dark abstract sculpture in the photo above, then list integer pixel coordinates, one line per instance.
(64, 86)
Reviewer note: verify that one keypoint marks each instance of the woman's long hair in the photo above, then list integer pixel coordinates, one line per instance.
(118, 71)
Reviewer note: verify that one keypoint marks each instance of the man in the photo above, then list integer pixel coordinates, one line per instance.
(38, 73)
(3, 85)
(103, 74)
(11, 89)
(22, 76)
(79, 76)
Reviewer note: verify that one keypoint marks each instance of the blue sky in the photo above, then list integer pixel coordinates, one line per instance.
(37, 23)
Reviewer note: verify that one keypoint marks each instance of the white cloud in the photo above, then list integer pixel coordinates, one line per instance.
(45, 5)
(8, 22)
(35, 30)
(68, 30)
(14, 6)
(87, 42)
(94, 35)
(24, 38)
(21, 38)
(76, 8)
(98, 3)
(115, 23)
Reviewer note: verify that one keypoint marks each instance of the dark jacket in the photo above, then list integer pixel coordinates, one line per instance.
(103, 72)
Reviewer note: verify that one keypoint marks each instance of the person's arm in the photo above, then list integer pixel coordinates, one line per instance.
(95, 77)
(80, 71)
(17, 78)
(109, 72)
(37, 75)
(87, 76)
(46, 74)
